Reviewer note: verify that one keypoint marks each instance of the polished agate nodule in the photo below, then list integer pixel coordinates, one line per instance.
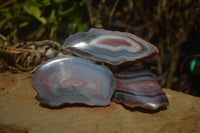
(111, 47)
(70, 79)
(137, 88)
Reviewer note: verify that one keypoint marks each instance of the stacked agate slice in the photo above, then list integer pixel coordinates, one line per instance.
(70, 79)
(111, 47)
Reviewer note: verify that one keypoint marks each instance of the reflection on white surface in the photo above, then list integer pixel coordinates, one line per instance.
(80, 45)
(153, 105)
(56, 61)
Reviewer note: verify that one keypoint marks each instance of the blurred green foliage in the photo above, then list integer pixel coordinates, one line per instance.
(36, 20)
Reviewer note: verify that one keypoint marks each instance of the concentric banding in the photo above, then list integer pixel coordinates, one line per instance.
(109, 46)
(137, 88)
(69, 79)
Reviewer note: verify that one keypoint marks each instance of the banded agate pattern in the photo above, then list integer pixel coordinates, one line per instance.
(69, 79)
(137, 88)
(111, 47)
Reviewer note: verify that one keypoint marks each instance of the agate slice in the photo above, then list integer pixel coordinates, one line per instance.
(137, 88)
(70, 79)
(111, 47)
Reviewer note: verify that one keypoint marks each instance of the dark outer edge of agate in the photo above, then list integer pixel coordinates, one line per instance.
(146, 106)
(141, 106)
(124, 76)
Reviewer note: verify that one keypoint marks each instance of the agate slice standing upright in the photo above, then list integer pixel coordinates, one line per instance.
(69, 79)
(111, 47)
(137, 88)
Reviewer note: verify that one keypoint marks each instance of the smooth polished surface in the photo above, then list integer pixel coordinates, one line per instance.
(112, 47)
(69, 79)
(137, 88)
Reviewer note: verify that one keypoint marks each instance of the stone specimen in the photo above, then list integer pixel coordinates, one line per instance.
(72, 79)
(137, 88)
(111, 47)
(69, 79)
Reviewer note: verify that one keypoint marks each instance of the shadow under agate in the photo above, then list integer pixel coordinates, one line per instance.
(69, 105)
(139, 109)
(65, 105)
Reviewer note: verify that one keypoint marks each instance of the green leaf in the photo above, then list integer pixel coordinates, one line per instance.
(76, 25)
(42, 19)
(24, 24)
(35, 12)
(66, 12)
(82, 27)
(60, 1)
(31, 2)
(52, 17)
(5, 12)
(46, 2)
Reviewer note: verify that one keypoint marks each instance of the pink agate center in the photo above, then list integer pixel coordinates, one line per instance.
(116, 43)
